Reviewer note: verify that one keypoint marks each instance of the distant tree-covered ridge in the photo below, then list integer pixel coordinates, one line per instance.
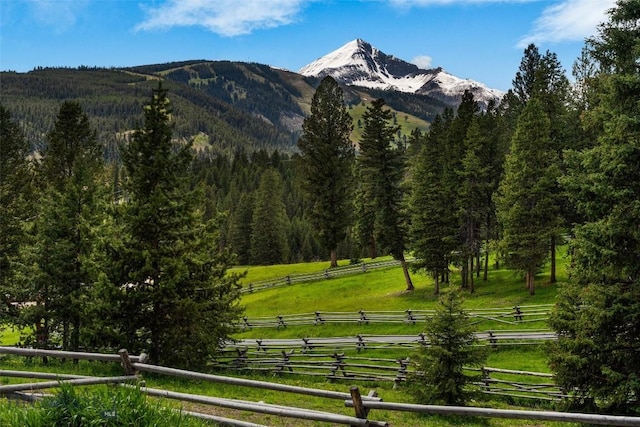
(232, 105)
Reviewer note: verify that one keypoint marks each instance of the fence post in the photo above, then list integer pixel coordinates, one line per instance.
(486, 377)
(285, 364)
(318, 319)
(361, 411)
(363, 317)
(410, 317)
(402, 371)
(518, 314)
(126, 362)
(306, 346)
(246, 323)
(281, 322)
(422, 339)
(493, 340)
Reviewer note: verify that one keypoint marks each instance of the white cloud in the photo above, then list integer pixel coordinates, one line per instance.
(59, 15)
(568, 20)
(225, 17)
(422, 61)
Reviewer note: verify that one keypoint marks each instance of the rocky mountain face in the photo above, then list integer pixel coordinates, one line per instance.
(357, 63)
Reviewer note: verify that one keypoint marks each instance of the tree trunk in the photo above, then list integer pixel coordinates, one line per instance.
(405, 270)
(334, 257)
(552, 277)
(471, 279)
(486, 264)
(372, 248)
(530, 283)
(436, 282)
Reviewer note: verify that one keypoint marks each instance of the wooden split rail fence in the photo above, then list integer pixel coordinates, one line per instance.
(329, 273)
(511, 316)
(362, 405)
(362, 341)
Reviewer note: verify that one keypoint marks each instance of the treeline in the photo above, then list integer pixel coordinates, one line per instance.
(114, 98)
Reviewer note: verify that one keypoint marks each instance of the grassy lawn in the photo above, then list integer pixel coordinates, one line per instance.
(377, 290)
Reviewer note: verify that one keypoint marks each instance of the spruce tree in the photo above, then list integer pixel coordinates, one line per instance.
(174, 297)
(440, 376)
(526, 203)
(474, 194)
(326, 165)
(431, 241)
(598, 318)
(381, 166)
(15, 180)
(240, 228)
(61, 259)
(269, 225)
(456, 149)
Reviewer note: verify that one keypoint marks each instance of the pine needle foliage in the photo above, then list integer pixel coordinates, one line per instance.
(441, 377)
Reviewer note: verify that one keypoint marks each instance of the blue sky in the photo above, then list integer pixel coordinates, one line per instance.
(478, 39)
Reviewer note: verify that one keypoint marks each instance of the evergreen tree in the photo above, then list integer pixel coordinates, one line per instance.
(61, 257)
(15, 180)
(440, 377)
(526, 203)
(455, 151)
(174, 297)
(430, 232)
(542, 76)
(326, 165)
(524, 81)
(240, 228)
(269, 240)
(598, 319)
(381, 168)
(474, 194)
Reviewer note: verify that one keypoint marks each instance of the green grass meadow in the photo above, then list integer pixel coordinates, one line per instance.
(375, 290)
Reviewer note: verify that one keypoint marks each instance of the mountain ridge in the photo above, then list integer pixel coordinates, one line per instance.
(358, 63)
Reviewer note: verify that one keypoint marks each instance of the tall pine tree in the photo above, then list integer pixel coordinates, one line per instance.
(269, 241)
(175, 298)
(15, 180)
(381, 165)
(526, 202)
(598, 319)
(62, 255)
(326, 165)
(430, 231)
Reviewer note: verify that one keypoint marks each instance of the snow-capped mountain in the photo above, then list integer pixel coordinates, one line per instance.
(357, 63)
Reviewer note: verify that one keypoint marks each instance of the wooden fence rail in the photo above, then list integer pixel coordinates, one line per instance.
(361, 404)
(511, 316)
(131, 367)
(608, 420)
(319, 275)
(362, 342)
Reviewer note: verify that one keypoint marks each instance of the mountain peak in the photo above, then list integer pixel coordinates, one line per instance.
(358, 63)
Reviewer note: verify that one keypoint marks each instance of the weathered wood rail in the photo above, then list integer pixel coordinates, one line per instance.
(329, 273)
(341, 367)
(362, 405)
(511, 316)
(133, 365)
(363, 341)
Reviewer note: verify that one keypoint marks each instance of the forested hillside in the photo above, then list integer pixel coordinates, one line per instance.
(228, 105)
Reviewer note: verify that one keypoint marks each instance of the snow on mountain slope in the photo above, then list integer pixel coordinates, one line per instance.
(357, 63)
